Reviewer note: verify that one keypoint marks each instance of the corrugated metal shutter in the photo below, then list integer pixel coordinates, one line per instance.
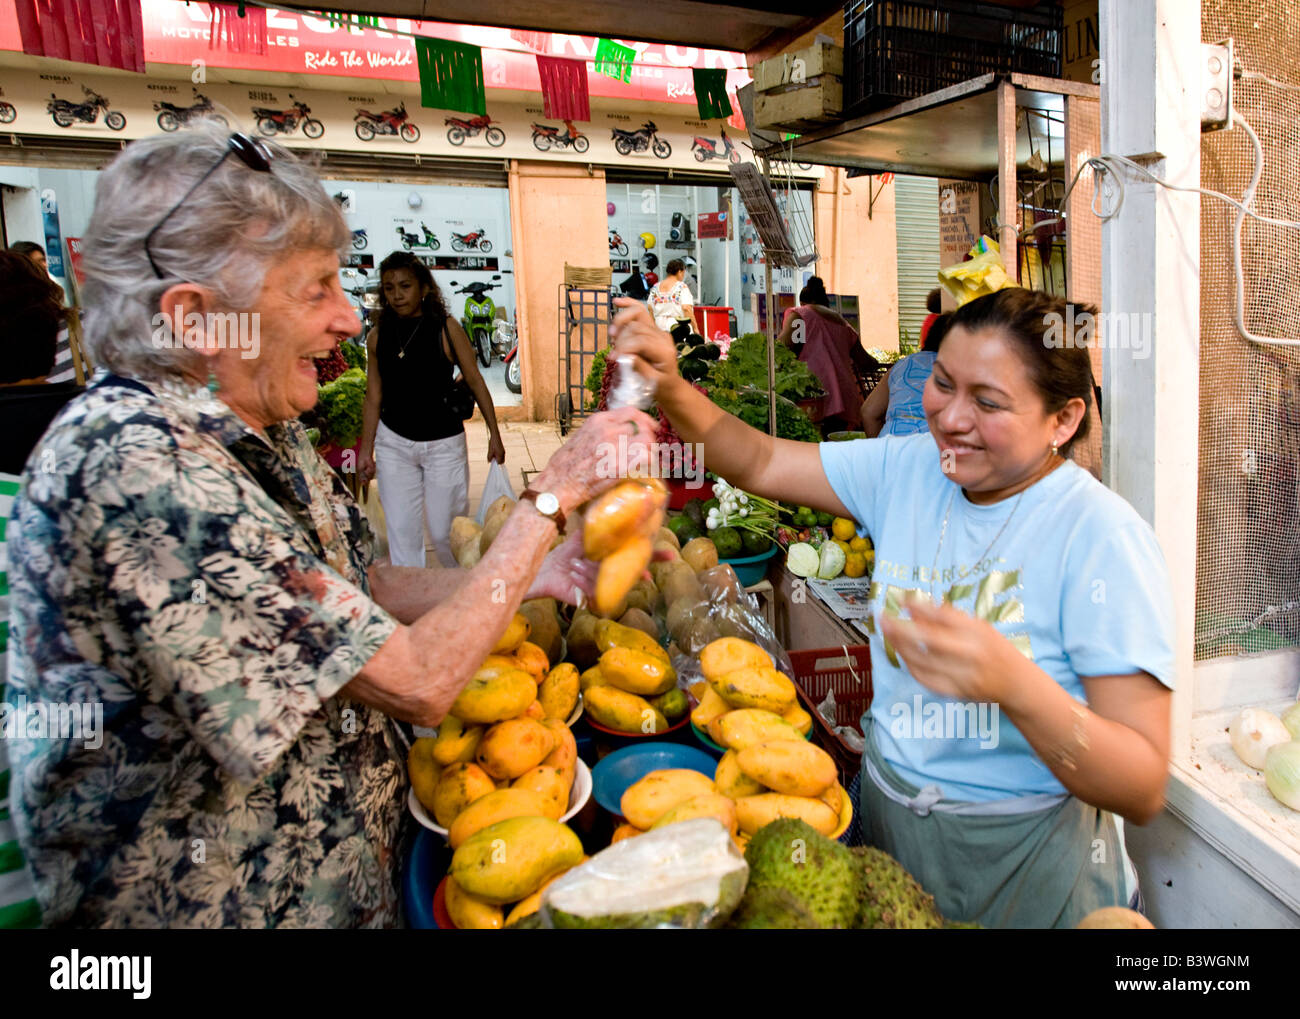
(916, 213)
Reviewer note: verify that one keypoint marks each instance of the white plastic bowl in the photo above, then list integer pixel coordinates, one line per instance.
(579, 794)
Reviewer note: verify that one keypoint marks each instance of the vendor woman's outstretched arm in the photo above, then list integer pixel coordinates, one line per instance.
(747, 458)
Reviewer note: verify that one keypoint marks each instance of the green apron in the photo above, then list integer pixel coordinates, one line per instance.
(1032, 861)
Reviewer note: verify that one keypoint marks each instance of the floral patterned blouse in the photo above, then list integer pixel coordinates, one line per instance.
(206, 584)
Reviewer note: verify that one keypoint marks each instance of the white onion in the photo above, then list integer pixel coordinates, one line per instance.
(1282, 773)
(1291, 719)
(1255, 730)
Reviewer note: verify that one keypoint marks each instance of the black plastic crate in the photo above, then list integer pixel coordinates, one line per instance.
(900, 49)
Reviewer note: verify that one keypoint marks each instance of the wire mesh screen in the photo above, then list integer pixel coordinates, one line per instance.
(1248, 559)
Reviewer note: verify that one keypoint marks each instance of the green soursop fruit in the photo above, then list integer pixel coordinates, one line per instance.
(892, 899)
(822, 875)
(771, 908)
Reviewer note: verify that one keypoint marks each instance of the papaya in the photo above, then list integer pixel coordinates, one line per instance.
(649, 799)
(488, 699)
(495, 806)
(509, 860)
(637, 672)
(469, 912)
(792, 767)
(510, 748)
(622, 711)
(731, 654)
(757, 687)
(559, 691)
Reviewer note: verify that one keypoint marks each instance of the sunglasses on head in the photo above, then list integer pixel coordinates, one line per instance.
(251, 152)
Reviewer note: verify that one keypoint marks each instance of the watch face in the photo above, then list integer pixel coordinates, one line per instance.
(547, 504)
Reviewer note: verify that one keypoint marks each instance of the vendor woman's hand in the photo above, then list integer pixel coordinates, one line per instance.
(636, 333)
(950, 652)
(597, 456)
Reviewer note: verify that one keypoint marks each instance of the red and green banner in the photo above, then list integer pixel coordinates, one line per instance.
(564, 88)
(614, 60)
(711, 93)
(109, 33)
(451, 76)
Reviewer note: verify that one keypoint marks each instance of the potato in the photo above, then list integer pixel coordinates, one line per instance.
(619, 571)
(625, 831)
(638, 619)
(469, 912)
(459, 786)
(516, 633)
(662, 568)
(666, 535)
(564, 754)
(646, 801)
(790, 767)
(621, 711)
(610, 634)
(711, 707)
(747, 727)
(494, 807)
(532, 660)
(681, 614)
(495, 519)
(721, 585)
(424, 771)
(680, 582)
(758, 687)
(753, 812)
(559, 691)
(456, 741)
(645, 597)
(509, 860)
(799, 718)
(701, 554)
(705, 805)
(544, 626)
(731, 655)
(485, 700)
(469, 556)
(701, 632)
(581, 637)
(510, 748)
(592, 677)
(736, 620)
(637, 672)
(729, 780)
(551, 783)
(464, 532)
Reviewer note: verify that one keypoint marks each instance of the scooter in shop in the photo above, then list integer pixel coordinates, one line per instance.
(480, 316)
(514, 367)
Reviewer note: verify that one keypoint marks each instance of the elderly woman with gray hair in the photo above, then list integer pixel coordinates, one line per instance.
(182, 557)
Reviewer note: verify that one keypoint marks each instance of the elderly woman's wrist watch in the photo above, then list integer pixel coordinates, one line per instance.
(547, 504)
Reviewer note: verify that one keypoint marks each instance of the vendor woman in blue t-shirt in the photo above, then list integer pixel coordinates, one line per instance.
(1022, 639)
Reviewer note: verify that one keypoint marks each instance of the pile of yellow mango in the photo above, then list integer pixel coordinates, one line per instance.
(633, 686)
(499, 774)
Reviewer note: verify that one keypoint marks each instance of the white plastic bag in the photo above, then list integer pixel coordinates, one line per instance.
(498, 484)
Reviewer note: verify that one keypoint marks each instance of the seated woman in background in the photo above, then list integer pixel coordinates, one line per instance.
(894, 406)
(831, 348)
(33, 306)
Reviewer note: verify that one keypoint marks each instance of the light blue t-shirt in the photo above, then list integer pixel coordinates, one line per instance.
(1076, 581)
(905, 415)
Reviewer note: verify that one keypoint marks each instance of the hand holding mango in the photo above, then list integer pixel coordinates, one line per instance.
(617, 532)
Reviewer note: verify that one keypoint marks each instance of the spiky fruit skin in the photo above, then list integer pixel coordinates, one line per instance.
(891, 898)
(771, 908)
(821, 875)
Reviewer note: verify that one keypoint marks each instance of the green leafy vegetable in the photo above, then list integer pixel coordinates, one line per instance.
(746, 365)
(340, 407)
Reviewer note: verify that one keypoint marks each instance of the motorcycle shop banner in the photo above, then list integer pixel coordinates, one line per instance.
(93, 106)
(302, 43)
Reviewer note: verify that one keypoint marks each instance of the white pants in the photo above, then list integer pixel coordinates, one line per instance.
(421, 481)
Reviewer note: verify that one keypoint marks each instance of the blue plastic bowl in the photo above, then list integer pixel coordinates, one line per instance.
(751, 569)
(615, 774)
(421, 880)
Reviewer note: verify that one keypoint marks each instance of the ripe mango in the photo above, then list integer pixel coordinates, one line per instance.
(799, 718)
(753, 812)
(510, 748)
(509, 860)
(487, 699)
(552, 784)
(646, 801)
(516, 633)
(622, 711)
(705, 805)
(625, 831)
(710, 708)
(424, 771)
(469, 912)
(729, 780)
(757, 687)
(731, 654)
(610, 635)
(494, 807)
(456, 741)
(619, 571)
(637, 672)
(460, 785)
(745, 727)
(559, 691)
(532, 660)
(592, 677)
(565, 752)
(793, 767)
(530, 905)
(535, 710)
(628, 511)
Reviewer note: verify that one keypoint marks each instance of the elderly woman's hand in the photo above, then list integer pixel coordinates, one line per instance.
(637, 334)
(597, 456)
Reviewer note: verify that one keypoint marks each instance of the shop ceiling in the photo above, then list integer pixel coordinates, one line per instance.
(758, 25)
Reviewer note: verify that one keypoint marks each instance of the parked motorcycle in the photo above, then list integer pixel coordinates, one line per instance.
(471, 242)
(479, 317)
(706, 149)
(271, 122)
(64, 111)
(388, 122)
(545, 136)
(366, 296)
(172, 117)
(413, 240)
(514, 370)
(458, 129)
(616, 243)
(644, 137)
(7, 113)
(359, 239)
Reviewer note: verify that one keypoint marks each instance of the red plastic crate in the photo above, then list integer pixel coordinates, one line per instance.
(821, 670)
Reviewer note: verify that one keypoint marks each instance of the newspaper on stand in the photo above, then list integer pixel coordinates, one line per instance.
(847, 597)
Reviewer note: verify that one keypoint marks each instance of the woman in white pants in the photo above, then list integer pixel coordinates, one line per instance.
(409, 433)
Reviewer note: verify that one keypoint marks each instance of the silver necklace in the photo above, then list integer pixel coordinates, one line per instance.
(943, 532)
(419, 322)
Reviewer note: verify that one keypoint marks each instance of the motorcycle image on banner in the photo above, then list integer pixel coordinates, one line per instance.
(272, 122)
(546, 136)
(706, 149)
(645, 137)
(413, 240)
(64, 112)
(173, 118)
(458, 129)
(387, 122)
